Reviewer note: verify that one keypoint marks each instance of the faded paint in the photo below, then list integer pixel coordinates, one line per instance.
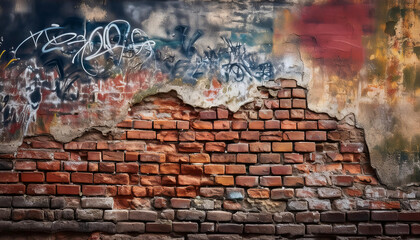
(357, 58)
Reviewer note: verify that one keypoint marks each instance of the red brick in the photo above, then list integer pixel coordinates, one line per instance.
(305, 147)
(293, 158)
(409, 216)
(68, 189)
(315, 181)
(272, 124)
(106, 167)
(113, 156)
(124, 190)
(149, 168)
(31, 177)
(214, 169)
(270, 181)
(167, 136)
(204, 136)
(212, 192)
(232, 206)
(132, 156)
(82, 177)
(297, 114)
(61, 155)
(25, 165)
(256, 125)
(150, 180)
(246, 181)
(227, 136)
(62, 177)
(269, 158)
(75, 166)
(180, 203)
(147, 135)
(202, 125)
(307, 125)
(281, 170)
(140, 191)
(189, 191)
(293, 136)
(316, 136)
(260, 147)
(126, 124)
(352, 169)
(286, 103)
(270, 103)
(94, 190)
(193, 180)
(208, 115)
(259, 170)
(235, 169)
(288, 125)
(94, 156)
(281, 114)
(47, 144)
(250, 135)
(222, 113)
(292, 181)
(271, 136)
(298, 93)
(299, 103)
(152, 157)
(169, 168)
(221, 125)
(239, 125)
(277, 194)
(192, 169)
(128, 167)
(190, 147)
(246, 158)
(238, 147)
(223, 158)
(342, 181)
(315, 116)
(9, 177)
(199, 158)
(93, 167)
(415, 229)
(41, 189)
(187, 136)
(284, 93)
(183, 125)
(215, 146)
(141, 124)
(288, 83)
(265, 114)
(282, 147)
(224, 180)
(103, 178)
(351, 147)
(164, 124)
(327, 124)
(80, 146)
(260, 193)
(12, 189)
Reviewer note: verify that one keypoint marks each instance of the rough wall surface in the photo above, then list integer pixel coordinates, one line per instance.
(71, 66)
(273, 169)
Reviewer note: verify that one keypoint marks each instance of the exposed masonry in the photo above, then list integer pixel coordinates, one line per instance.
(274, 168)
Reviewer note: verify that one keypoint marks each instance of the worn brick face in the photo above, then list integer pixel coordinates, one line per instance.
(273, 168)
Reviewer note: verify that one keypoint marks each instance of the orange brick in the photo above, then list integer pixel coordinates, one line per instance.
(235, 169)
(224, 180)
(199, 158)
(141, 124)
(282, 147)
(193, 180)
(292, 181)
(227, 136)
(270, 181)
(141, 135)
(169, 168)
(260, 147)
(215, 146)
(352, 169)
(247, 158)
(239, 125)
(202, 125)
(256, 125)
(214, 169)
(238, 147)
(221, 125)
(167, 136)
(164, 124)
(288, 125)
(265, 114)
(246, 181)
(305, 147)
(260, 193)
(149, 168)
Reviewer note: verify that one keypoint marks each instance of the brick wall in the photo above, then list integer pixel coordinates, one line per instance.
(273, 168)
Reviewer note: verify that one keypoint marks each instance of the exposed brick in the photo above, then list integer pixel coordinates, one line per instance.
(282, 147)
(277, 194)
(152, 157)
(281, 170)
(256, 125)
(164, 124)
(190, 147)
(185, 227)
(9, 177)
(127, 167)
(221, 125)
(329, 192)
(229, 228)
(370, 229)
(41, 189)
(208, 115)
(333, 217)
(80, 146)
(294, 136)
(319, 229)
(202, 125)
(292, 181)
(192, 169)
(297, 205)
(226, 136)
(268, 229)
(204, 136)
(239, 125)
(342, 181)
(219, 216)
(351, 147)
(344, 229)
(146, 135)
(223, 158)
(224, 180)
(238, 147)
(409, 216)
(281, 114)
(180, 203)
(384, 216)
(235, 169)
(250, 135)
(259, 193)
(260, 147)
(307, 217)
(30, 177)
(25, 165)
(61, 177)
(142, 124)
(68, 189)
(199, 158)
(290, 230)
(222, 113)
(316, 136)
(212, 192)
(246, 181)
(304, 146)
(184, 125)
(110, 178)
(285, 103)
(259, 170)
(397, 229)
(297, 114)
(265, 114)
(270, 103)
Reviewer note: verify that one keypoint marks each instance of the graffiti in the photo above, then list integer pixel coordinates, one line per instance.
(92, 49)
(9, 62)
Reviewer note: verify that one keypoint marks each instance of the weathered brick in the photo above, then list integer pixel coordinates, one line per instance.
(307, 217)
(128, 227)
(80, 146)
(327, 124)
(292, 181)
(271, 181)
(269, 158)
(285, 103)
(246, 158)
(284, 217)
(202, 125)
(250, 135)
(294, 136)
(253, 217)
(211, 192)
(281, 114)
(199, 158)
(143, 215)
(260, 193)
(121, 178)
(290, 230)
(369, 229)
(268, 229)
(256, 125)
(329, 192)
(27, 214)
(277, 194)
(246, 181)
(141, 134)
(351, 147)
(235, 193)
(152, 157)
(297, 205)
(235, 169)
(219, 216)
(89, 214)
(384, 215)
(191, 215)
(215, 146)
(229, 228)
(190, 147)
(103, 203)
(281, 170)
(238, 147)
(333, 217)
(9, 177)
(282, 147)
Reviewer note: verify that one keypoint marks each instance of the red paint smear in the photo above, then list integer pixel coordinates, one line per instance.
(332, 34)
